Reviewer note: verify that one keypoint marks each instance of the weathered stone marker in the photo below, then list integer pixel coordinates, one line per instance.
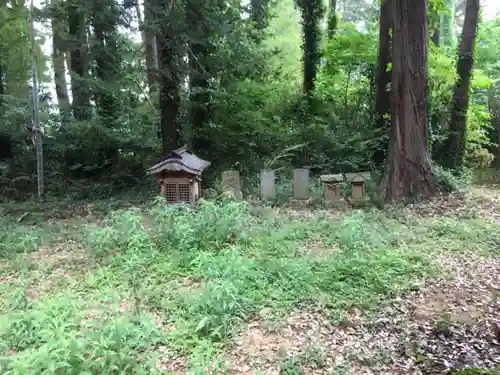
(267, 185)
(300, 188)
(331, 187)
(231, 183)
(301, 184)
(357, 181)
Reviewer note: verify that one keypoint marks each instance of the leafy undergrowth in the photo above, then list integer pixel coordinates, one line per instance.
(231, 288)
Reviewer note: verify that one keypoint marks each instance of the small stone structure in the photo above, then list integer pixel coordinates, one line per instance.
(358, 181)
(180, 176)
(301, 183)
(267, 185)
(231, 183)
(331, 187)
(332, 195)
(300, 188)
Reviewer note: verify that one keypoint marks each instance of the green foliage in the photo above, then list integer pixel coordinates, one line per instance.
(15, 239)
(239, 261)
(62, 335)
(187, 279)
(449, 181)
(285, 32)
(345, 87)
(244, 77)
(15, 58)
(442, 77)
(476, 371)
(479, 158)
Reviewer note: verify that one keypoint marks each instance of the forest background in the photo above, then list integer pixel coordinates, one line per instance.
(245, 84)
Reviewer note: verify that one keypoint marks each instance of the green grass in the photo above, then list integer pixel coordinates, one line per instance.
(206, 272)
(490, 176)
(16, 238)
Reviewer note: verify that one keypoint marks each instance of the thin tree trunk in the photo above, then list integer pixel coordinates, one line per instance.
(107, 60)
(436, 37)
(408, 172)
(312, 12)
(150, 45)
(58, 48)
(67, 58)
(199, 94)
(139, 18)
(5, 141)
(332, 19)
(457, 140)
(382, 96)
(78, 63)
(36, 109)
(170, 82)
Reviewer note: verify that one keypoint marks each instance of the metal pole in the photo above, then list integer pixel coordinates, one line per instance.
(36, 106)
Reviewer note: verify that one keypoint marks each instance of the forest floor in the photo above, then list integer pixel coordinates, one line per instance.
(237, 289)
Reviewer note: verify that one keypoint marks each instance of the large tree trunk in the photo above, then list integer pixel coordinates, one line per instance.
(383, 96)
(149, 40)
(408, 173)
(59, 28)
(169, 60)
(312, 11)
(79, 62)
(199, 74)
(104, 19)
(457, 139)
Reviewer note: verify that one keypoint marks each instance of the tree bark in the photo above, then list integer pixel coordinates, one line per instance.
(170, 82)
(199, 74)
(383, 96)
(150, 46)
(312, 11)
(104, 19)
(59, 28)
(67, 59)
(79, 62)
(332, 21)
(456, 142)
(408, 173)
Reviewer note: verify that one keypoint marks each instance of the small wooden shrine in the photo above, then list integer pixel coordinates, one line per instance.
(331, 186)
(358, 181)
(180, 176)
